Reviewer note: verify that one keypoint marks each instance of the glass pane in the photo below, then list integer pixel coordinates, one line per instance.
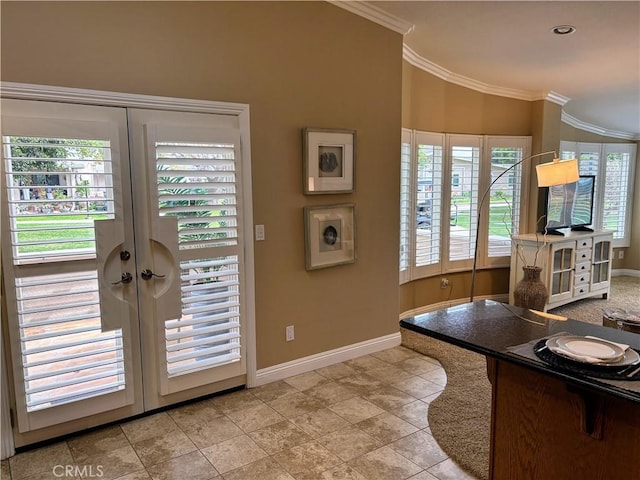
(555, 283)
(65, 355)
(56, 188)
(557, 260)
(208, 333)
(464, 202)
(428, 204)
(197, 184)
(566, 258)
(565, 285)
(504, 199)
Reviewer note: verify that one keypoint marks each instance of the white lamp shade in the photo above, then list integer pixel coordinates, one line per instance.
(558, 172)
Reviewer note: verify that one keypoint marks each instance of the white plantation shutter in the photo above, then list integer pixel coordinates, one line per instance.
(65, 354)
(618, 187)
(504, 201)
(406, 208)
(613, 165)
(58, 169)
(197, 183)
(56, 188)
(464, 153)
(428, 168)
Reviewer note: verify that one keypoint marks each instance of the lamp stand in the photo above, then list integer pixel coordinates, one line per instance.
(484, 195)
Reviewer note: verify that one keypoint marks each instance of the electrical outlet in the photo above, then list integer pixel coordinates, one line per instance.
(290, 335)
(620, 254)
(444, 282)
(259, 233)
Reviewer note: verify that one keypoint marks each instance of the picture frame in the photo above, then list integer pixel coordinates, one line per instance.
(330, 235)
(328, 160)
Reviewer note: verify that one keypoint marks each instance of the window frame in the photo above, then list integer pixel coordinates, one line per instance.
(576, 150)
(411, 141)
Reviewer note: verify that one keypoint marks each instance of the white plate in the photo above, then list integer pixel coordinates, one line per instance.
(629, 358)
(590, 347)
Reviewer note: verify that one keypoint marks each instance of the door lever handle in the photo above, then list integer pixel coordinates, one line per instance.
(126, 278)
(147, 274)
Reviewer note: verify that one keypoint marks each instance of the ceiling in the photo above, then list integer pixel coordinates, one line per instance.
(507, 47)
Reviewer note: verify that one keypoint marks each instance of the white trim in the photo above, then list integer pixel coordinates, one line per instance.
(501, 297)
(23, 91)
(375, 14)
(428, 66)
(620, 272)
(324, 359)
(588, 127)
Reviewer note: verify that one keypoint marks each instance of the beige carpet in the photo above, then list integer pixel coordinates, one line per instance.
(625, 293)
(460, 418)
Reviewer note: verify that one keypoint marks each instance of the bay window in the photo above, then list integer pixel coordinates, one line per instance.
(443, 178)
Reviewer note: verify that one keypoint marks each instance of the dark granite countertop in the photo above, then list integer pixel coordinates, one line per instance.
(491, 328)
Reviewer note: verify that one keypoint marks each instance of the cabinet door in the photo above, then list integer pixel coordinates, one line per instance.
(561, 271)
(601, 263)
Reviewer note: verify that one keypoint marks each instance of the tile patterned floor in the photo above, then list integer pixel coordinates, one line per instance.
(362, 419)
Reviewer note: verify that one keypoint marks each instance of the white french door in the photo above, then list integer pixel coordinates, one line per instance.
(124, 261)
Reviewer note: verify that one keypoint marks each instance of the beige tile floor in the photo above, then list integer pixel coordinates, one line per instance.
(365, 418)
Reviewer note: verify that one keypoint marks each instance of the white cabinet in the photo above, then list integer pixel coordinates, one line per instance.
(574, 266)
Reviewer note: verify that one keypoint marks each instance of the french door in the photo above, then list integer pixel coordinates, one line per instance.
(124, 260)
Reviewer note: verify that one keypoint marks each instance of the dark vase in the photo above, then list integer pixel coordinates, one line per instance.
(530, 292)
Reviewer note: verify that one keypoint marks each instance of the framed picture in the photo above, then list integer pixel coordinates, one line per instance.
(328, 160)
(330, 235)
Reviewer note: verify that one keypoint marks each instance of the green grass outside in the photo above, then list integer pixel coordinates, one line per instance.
(497, 228)
(76, 238)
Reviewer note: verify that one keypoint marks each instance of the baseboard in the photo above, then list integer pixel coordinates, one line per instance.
(503, 297)
(619, 272)
(324, 359)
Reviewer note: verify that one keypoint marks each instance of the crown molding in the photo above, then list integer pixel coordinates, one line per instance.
(588, 127)
(428, 66)
(375, 14)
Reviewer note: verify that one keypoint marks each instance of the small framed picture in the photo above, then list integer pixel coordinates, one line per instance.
(328, 160)
(330, 235)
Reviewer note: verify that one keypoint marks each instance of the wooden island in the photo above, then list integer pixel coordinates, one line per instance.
(547, 423)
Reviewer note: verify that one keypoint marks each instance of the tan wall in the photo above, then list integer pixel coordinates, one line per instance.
(297, 64)
(432, 104)
(631, 254)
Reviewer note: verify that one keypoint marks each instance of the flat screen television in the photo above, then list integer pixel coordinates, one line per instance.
(570, 206)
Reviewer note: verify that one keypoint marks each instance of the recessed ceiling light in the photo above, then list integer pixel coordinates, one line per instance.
(563, 30)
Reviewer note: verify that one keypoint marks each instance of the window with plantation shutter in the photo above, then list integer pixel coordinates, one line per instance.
(56, 188)
(428, 198)
(464, 158)
(442, 178)
(618, 187)
(613, 165)
(196, 184)
(405, 205)
(58, 165)
(504, 200)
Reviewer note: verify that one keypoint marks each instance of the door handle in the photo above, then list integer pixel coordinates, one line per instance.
(126, 278)
(147, 274)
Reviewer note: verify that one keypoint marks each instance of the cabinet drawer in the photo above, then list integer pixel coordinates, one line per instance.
(582, 267)
(581, 279)
(580, 290)
(585, 243)
(583, 255)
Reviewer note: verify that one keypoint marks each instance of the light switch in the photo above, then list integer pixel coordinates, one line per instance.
(259, 232)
